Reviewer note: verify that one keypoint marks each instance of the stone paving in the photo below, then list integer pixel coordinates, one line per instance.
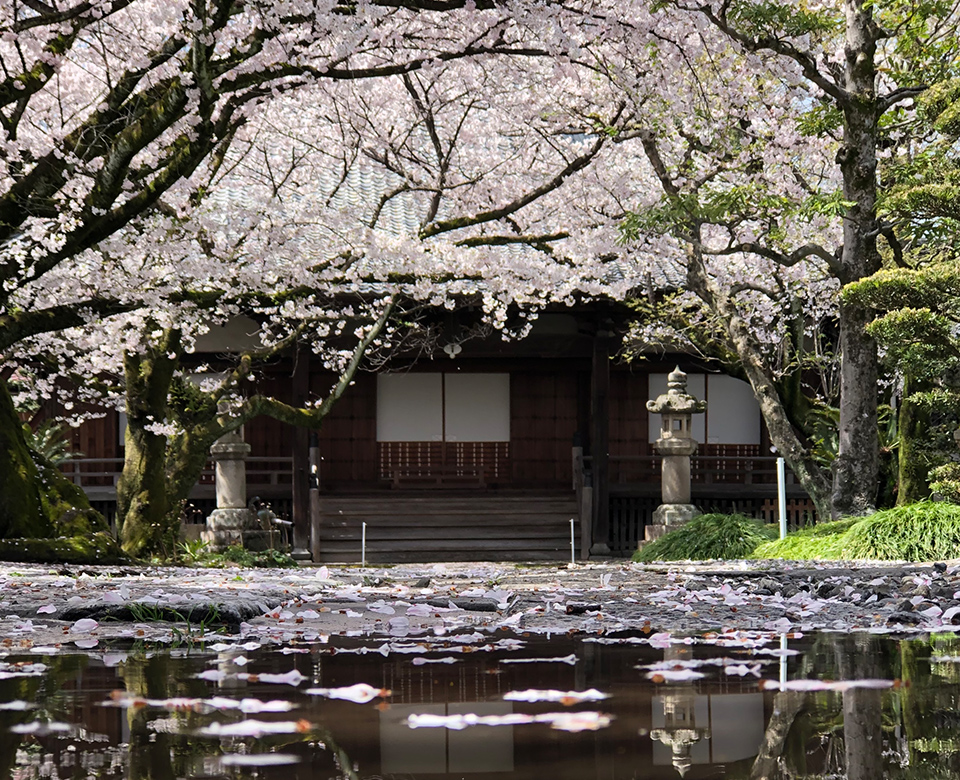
(85, 607)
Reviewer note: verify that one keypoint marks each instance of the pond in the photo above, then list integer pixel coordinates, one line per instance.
(497, 705)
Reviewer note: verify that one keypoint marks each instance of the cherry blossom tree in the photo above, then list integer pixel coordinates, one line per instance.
(114, 112)
(447, 187)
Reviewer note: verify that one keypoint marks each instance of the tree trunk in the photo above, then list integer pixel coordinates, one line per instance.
(143, 507)
(744, 344)
(859, 658)
(857, 463)
(786, 706)
(150, 751)
(913, 465)
(21, 513)
(187, 454)
(782, 432)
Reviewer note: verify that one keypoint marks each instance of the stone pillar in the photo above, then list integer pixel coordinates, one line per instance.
(232, 522)
(676, 444)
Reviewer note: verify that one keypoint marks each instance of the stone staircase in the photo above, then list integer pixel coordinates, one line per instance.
(430, 527)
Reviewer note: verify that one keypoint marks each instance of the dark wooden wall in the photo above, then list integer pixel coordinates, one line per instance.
(543, 420)
(547, 409)
(628, 413)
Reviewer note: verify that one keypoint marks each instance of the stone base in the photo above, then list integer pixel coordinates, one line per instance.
(229, 527)
(667, 518)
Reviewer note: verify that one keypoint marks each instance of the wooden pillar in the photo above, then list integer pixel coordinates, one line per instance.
(314, 512)
(301, 460)
(600, 442)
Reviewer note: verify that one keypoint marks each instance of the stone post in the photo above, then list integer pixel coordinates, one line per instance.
(232, 522)
(676, 444)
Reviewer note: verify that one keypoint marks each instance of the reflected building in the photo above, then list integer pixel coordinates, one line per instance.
(695, 729)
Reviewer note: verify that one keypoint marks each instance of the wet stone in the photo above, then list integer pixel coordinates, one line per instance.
(905, 618)
(469, 604)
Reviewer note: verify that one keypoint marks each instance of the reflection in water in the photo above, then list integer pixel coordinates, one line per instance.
(703, 715)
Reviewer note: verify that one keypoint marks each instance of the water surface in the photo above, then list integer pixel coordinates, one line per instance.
(569, 708)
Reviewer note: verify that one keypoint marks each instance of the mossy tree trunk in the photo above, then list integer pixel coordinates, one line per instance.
(159, 471)
(21, 511)
(150, 751)
(143, 506)
(913, 465)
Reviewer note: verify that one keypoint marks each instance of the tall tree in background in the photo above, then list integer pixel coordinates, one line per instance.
(919, 316)
(447, 187)
(114, 110)
(847, 72)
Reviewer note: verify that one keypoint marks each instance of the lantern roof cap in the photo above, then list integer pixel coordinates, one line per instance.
(676, 400)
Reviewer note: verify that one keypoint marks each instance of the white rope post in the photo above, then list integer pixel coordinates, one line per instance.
(363, 545)
(782, 495)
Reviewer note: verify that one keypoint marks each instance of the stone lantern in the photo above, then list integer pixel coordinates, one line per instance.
(680, 731)
(232, 522)
(676, 444)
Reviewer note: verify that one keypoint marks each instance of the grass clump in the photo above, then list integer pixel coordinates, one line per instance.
(823, 541)
(198, 553)
(249, 559)
(707, 537)
(925, 531)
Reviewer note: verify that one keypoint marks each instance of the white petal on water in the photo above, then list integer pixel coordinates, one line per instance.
(361, 693)
(825, 685)
(255, 728)
(564, 697)
(674, 675)
(17, 705)
(39, 728)
(567, 659)
(563, 721)
(259, 759)
(742, 670)
(86, 644)
(84, 626)
(293, 677)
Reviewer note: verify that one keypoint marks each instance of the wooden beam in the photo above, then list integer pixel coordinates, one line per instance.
(301, 458)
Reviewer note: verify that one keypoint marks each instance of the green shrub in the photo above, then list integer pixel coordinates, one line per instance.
(925, 531)
(823, 541)
(235, 554)
(707, 537)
